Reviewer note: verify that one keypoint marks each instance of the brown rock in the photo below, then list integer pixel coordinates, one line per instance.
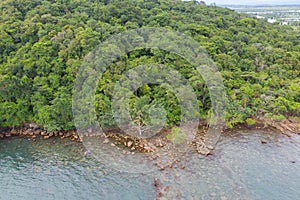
(33, 126)
(204, 151)
(14, 132)
(7, 134)
(263, 141)
(25, 132)
(129, 144)
(37, 132)
(68, 134)
(43, 133)
(106, 141)
(46, 137)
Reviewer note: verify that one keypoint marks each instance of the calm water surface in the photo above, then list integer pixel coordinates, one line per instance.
(241, 168)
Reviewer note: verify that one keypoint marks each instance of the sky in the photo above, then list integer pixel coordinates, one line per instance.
(253, 2)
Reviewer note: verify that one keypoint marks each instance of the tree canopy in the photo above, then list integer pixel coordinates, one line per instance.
(43, 44)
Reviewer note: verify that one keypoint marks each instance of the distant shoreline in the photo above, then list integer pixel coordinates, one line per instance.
(258, 6)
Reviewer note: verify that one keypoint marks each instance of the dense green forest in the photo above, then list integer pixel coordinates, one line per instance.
(43, 44)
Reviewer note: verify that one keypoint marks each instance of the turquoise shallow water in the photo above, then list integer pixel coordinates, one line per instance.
(241, 168)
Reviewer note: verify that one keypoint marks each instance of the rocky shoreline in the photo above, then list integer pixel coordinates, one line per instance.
(142, 145)
(34, 131)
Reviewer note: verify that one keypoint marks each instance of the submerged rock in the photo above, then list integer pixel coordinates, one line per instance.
(106, 141)
(263, 141)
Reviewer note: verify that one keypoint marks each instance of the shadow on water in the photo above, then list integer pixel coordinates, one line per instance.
(245, 165)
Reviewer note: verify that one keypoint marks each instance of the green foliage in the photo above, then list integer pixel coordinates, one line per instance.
(176, 136)
(43, 43)
(275, 117)
(250, 121)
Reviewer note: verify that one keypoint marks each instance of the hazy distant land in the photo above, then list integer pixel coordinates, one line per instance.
(283, 14)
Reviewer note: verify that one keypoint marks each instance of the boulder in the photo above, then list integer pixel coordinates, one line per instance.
(46, 137)
(7, 134)
(43, 133)
(129, 144)
(14, 132)
(34, 126)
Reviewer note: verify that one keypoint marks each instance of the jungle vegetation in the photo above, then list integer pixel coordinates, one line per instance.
(43, 43)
